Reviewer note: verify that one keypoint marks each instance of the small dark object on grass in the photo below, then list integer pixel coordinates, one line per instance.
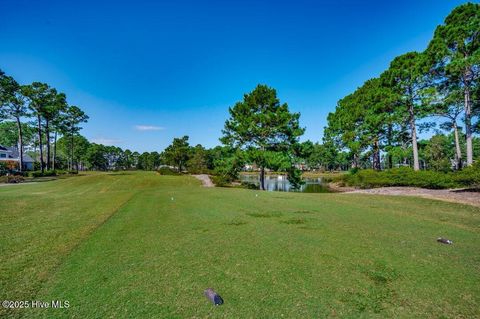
(444, 241)
(213, 296)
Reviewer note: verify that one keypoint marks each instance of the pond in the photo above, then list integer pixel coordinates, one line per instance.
(280, 183)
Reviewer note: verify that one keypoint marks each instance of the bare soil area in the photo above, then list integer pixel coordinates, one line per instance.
(205, 179)
(463, 196)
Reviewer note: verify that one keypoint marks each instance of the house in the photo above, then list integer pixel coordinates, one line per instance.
(11, 156)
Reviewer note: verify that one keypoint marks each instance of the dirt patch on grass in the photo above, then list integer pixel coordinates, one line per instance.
(205, 179)
(462, 196)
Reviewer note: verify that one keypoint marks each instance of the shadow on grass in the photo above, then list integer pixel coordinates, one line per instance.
(41, 179)
(303, 212)
(380, 273)
(379, 295)
(309, 228)
(294, 221)
(467, 190)
(265, 215)
(52, 178)
(236, 223)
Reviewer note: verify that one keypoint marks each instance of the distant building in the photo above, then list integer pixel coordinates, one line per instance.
(250, 167)
(11, 155)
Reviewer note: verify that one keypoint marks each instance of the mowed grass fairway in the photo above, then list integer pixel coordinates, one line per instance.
(117, 246)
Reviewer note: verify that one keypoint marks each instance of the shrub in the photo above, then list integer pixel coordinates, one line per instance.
(18, 173)
(34, 174)
(354, 170)
(403, 176)
(12, 179)
(469, 176)
(221, 180)
(3, 168)
(249, 185)
(40, 174)
(167, 171)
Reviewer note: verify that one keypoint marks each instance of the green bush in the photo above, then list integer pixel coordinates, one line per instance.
(469, 176)
(249, 185)
(40, 174)
(34, 174)
(354, 170)
(221, 180)
(167, 171)
(50, 173)
(404, 176)
(3, 168)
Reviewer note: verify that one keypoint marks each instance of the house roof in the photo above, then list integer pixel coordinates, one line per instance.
(12, 153)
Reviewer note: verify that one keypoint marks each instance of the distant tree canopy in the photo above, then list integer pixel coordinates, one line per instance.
(72, 160)
(149, 161)
(385, 115)
(265, 129)
(199, 160)
(378, 125)
(177, 153)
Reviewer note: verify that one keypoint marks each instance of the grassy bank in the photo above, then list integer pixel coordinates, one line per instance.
(142, 245)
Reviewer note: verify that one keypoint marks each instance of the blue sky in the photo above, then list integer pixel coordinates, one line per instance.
(148, 71)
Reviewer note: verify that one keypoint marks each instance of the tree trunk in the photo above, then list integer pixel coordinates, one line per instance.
(376, 155)
(389, 141)
(71, 153)
(20, 143)
(47, 134)
(40, 145)
(262, 178)
(179, 167)
(413, 129)
(468, 126)
(54, 150)
(354, 161)
(458, 151)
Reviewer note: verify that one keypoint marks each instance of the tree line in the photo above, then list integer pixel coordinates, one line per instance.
(179, 156)
(418, 91)
(51, 114)
(376, 126)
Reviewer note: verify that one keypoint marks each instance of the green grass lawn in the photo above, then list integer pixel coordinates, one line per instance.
(118, 246)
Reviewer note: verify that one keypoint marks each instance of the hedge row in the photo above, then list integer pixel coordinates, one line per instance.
(49, 173)
(468, 177)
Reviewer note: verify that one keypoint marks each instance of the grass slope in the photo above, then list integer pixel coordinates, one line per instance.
(117, 245)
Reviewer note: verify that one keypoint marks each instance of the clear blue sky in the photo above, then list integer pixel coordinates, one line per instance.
(148, 71)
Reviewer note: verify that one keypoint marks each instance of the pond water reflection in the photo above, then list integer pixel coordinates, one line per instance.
(280, 183)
